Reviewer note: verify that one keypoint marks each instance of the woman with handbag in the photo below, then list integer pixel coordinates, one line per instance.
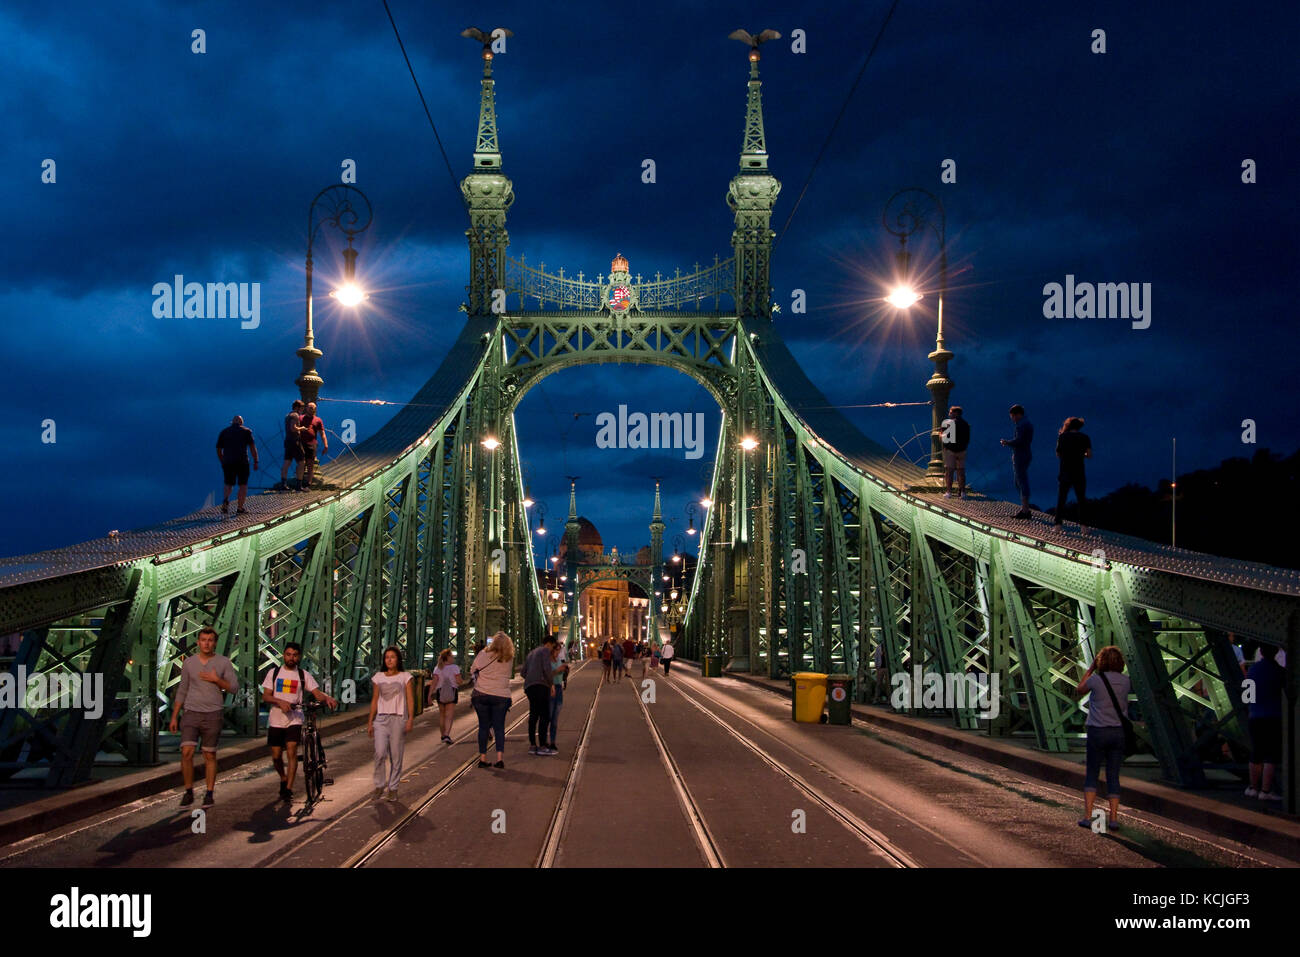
(490, 672)
(1110, 733)
(446, 690)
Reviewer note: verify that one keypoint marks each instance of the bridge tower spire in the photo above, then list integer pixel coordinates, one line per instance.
(751, 196)
(656, 568)
(487, 193)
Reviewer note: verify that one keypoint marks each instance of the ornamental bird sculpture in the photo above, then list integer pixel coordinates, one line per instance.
(744, 36)
(474, 33)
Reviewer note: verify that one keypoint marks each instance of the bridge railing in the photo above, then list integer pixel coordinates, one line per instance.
(539, 289)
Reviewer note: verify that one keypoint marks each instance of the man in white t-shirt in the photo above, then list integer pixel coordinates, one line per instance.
(283, 689)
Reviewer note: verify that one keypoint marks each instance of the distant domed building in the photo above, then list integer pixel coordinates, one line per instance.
(609, 609)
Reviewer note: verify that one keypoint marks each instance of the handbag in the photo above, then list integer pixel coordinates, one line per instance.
(1130, 735)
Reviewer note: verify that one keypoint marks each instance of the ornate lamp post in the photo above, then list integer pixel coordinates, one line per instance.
(691, 511)
(347, 209)
(907, 212)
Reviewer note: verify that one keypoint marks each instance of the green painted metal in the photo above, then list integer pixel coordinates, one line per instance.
(816, 550)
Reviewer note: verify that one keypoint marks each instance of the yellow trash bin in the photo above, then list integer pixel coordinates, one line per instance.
(809, 696)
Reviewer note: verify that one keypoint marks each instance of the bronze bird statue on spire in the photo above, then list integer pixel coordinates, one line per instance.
(484, 37)
(744, 36)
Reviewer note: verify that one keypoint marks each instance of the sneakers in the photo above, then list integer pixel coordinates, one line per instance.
(187, 798)
(1024, 513)
(947, 494)
(532, 749)
(1269, 797)
(1251, 792)
(483, 764)
(208, 799)
(500, 764)
(446, 739)
(225, 506)
(554, 749)
(377, 792)
(391, 795)
(546, 752)
(241, 511)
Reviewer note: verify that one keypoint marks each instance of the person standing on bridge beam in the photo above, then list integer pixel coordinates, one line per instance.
(954, 452)
(292, 447)
(206, 679)
(313, 428)
(233, 444)
(1072, 447)
(1021, 455)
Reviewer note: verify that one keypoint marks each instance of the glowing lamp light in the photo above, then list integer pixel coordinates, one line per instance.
(677, 558)
(902, 297)
(528, 503)
(349, 294)
(491, 443)
(707, 502)
(749, 443)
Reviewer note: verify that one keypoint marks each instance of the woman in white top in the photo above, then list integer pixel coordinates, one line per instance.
(392, 714)
(491, 671)
(446, 689)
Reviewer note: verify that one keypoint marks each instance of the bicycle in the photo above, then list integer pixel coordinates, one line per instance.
(313, 758)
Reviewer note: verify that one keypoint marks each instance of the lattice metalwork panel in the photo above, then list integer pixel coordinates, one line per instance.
(967, 581)
(279, 580)
(179, 624)
(1065, 644)
(896, 545)
(1209, 699)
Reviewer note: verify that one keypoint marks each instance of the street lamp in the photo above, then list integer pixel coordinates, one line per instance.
(541, 519)
(910, 213)
(749, 443)
(491, 443)
(338, 210)
(690, 514)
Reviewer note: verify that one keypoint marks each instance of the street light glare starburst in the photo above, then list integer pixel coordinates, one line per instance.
(349, 294)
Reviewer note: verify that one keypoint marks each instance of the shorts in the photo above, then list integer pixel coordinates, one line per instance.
(309, 452)
(236, 474)
(200, 727)
(277, 737)
(1265, 740)
(954, 460)
(1021, 472)
(293, 451)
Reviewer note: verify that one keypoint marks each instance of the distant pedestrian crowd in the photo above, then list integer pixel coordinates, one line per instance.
(617, 658)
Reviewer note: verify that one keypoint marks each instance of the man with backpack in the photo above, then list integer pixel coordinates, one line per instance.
(284, 689)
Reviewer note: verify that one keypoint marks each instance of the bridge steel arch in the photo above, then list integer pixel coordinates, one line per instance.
(820, 547)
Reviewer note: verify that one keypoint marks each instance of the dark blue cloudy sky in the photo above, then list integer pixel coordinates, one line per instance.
(1122, 167)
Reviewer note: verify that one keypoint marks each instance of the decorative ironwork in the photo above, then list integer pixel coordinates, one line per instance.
(702, 290)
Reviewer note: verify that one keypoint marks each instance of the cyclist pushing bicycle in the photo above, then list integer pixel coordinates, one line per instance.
(284, 689)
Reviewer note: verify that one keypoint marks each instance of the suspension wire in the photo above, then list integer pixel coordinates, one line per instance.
(454, 184)
(835, 125)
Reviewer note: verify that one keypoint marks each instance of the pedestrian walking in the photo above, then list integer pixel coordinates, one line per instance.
(559, 681)
(956, 439)
(537, 687)
(1072, 447)
(1108, 688)
(233, 443)
(654, 656)
(490, 671)
(606, 659)
(1264, 719)
(284, 688)
(666, 656)
(446, 691)
(206, 679)
(617, 656)
(292, 447)
(1021, 455)
(313, 430)
(392, 715)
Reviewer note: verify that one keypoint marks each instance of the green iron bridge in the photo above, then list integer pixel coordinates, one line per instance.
(820, 546)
